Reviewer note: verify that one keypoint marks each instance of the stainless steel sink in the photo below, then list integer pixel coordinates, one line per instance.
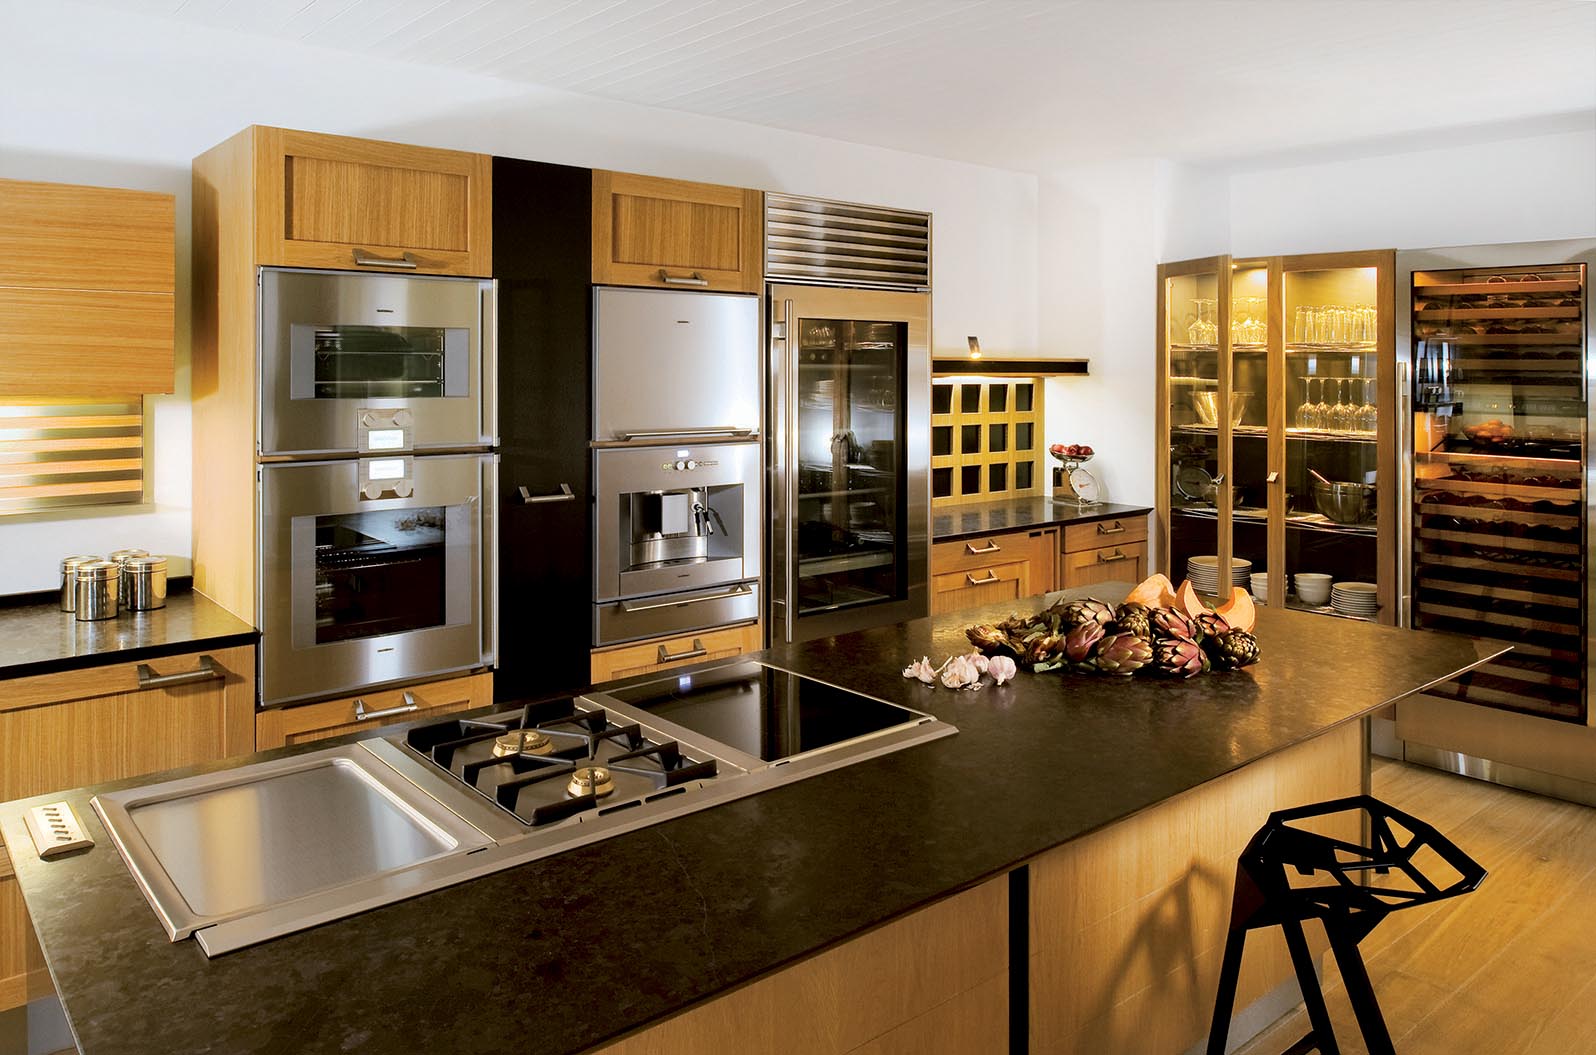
(230, 845)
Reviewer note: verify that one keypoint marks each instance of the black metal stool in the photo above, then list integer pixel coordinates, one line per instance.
(1349, 910)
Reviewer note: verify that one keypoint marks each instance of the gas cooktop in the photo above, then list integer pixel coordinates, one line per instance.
(465, 797)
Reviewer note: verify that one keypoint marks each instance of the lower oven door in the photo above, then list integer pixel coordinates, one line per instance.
(374, 571)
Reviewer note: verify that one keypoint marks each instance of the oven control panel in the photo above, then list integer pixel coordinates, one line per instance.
(383, 429)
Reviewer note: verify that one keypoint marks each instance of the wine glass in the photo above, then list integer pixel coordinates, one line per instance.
(1307, 412)
(1368, 414)
(1337, 418)
(1321, 410)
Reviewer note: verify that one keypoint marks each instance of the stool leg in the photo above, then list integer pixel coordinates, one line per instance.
(1376, 1037)
(1308, 981)
(1225, 998)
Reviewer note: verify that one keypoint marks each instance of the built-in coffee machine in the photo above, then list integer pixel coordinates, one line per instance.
(676, 462)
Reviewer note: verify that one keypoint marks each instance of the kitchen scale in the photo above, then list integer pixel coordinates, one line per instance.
(1072, 483)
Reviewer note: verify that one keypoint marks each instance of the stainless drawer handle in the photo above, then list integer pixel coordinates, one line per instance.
(208, 671)
(1118, 556)
(363, 715)
(655, 434)
(563, 495)
(404, 262)
(991, 577)
(1117, 529)
(696, 651)
(678, 280)
(990, 547)
(649, 606)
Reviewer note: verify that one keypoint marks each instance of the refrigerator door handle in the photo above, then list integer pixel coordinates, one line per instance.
(789, 408)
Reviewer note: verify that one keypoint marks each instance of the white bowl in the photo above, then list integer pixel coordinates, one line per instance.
(1314, 590)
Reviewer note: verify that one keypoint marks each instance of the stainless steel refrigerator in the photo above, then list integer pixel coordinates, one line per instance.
(848, 416)
(1496, 343)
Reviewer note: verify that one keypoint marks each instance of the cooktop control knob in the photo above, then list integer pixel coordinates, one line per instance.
(680, 466)
(370, 419)
(403, 418)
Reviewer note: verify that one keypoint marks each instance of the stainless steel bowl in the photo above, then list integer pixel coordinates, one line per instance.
(1207, 406)
(1344, 503)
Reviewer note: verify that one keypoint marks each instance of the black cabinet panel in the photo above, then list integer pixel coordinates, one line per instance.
(542, 235)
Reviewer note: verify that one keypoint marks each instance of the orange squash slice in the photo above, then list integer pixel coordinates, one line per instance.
(1155, 591)
(1239, 611)
(1186, 600)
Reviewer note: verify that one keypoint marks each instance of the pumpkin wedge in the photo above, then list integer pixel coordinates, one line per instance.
(1186, 600)
(1155, 591)
(1239, 611)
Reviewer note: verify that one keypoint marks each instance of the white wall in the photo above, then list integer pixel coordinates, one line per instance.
(97, 96)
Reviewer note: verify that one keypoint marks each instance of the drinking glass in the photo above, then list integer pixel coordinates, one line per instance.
(1368, 414)
(1304, 415)
(1321, 410)
(1300, 326)
(1337, 420)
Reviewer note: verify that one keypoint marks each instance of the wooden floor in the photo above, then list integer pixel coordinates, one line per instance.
(1507, 970)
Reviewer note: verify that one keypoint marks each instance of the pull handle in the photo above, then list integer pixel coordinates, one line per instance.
(1272, 478)
(695, 279)
(363, 715)
(563, 495)
(1118, 556)
(646, 606)
(695, 652)
(1219, 478)
(1117, 529)
(404, 262)
(991, 577)
(654, 434)
(207, 671)
(990, 547)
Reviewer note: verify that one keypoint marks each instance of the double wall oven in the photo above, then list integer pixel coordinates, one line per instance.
(377, 480)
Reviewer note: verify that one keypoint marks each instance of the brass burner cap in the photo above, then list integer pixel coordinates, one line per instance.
(523, 742)
(590, 780)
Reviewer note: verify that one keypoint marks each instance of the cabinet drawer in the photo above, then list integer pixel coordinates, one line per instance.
(983, 552)
(75, 342)
(1124, 562)
(989, 585)
(673, 234)
(662, 653)
(279, 726)
(1113, 532)
(334, 202)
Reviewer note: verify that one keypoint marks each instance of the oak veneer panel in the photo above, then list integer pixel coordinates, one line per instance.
(223, 383)
(22, 972)
(1120, 562)
(319, 198)
(933, 982)
(67, 343)
(642, 657)
(1128, 924)
(280, 726)
(645, 224)
(61, 236)
(1113, 532)
(989, 585)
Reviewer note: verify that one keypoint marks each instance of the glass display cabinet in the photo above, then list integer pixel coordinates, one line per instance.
(1277, 384)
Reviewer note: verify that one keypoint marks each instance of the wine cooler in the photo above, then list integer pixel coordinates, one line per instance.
(1498, 338)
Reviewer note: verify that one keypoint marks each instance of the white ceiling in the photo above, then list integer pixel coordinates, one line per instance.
(1023, 84)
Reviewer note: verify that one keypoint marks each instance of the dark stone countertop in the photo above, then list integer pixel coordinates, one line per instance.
(974, 519)
(42, 639)
(561, 954)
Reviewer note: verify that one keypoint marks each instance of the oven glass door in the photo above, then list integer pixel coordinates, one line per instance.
(357, 363)
(360, 586)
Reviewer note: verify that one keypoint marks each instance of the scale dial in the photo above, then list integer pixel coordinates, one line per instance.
(1084, 486)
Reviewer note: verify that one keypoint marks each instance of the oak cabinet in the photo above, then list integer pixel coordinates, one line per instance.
(60, 731)
(663, 653)
(1113, 550)
(358, 204)
(285, 726)
(649, 231)
(992, 568)
(87, 291)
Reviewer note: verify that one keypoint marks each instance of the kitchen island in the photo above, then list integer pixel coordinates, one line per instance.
(578, 950)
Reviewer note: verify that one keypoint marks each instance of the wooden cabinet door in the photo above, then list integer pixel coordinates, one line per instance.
(967, 588)
(649, 231)
(60, 731)
(281, 726)
(644, 657)
(1126, 562)
(358, 204)
(87, 291)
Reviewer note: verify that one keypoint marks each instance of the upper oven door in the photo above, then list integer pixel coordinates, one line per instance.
(356, 363)
(374, 570)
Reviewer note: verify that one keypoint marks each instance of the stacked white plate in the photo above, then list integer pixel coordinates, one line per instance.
(1355, 598)
(1204, 573)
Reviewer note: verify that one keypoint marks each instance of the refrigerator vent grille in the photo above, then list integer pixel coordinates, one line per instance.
(830, 243)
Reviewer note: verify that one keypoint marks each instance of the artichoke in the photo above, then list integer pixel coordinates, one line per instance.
(1089, 609)
(1179, 658)
(1233, 649)
(1079, 642)
(1167, 623)
(1043, 648)
(1212, 624)
(1121, 654)
(1135, 619)
(990, 639)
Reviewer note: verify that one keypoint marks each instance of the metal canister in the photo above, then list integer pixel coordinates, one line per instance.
(144, 583)
(97, 583)
(69, 581)
(120, 558)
